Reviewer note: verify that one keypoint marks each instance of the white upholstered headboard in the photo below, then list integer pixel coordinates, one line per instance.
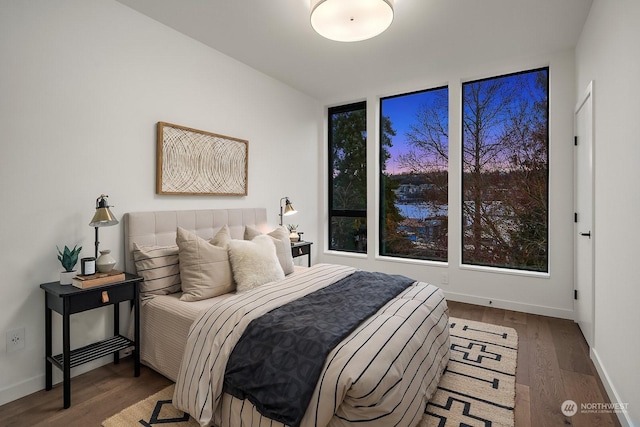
(159, 228)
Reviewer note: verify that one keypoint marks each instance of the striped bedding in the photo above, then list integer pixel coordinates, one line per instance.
(382, 374)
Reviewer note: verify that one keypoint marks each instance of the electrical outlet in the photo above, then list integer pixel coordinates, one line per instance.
(15, 340)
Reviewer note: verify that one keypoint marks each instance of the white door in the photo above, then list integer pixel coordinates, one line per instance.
(584, 224)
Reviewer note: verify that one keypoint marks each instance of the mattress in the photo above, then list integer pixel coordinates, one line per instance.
(164, 326)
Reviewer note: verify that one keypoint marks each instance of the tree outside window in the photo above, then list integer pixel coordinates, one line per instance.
(348, 178)
(505, 174)
(505, 161)
(414, 175)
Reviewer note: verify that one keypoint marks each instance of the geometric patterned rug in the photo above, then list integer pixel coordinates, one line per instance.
(476, 389)
(478, 386)
(155, 410)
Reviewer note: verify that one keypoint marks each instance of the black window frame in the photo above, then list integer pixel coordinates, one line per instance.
(382, 232)
(467, 263)
(346, 213)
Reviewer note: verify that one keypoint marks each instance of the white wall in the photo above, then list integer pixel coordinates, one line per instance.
(607, 54)
(550, 294)
(82, 86)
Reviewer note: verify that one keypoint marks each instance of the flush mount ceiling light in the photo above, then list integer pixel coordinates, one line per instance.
(351, 20)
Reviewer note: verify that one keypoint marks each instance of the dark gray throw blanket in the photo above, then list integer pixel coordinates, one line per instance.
(277, 362)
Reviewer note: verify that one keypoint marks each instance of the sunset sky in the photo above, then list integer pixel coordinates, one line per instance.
(402, 111)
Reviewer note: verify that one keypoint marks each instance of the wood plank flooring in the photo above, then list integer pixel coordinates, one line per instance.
(553, 366)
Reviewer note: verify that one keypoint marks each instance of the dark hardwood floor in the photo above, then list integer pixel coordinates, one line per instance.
(553, 366)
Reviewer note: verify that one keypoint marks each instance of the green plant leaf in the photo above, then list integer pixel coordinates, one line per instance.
(69, 258)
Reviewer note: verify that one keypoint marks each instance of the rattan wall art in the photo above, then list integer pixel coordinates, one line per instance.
(195, 162)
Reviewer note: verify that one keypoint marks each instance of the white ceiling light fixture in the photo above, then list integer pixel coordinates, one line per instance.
(351, 20)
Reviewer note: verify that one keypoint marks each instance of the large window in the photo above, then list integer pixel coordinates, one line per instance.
(505, 171)
(414, 156)
(348, 178)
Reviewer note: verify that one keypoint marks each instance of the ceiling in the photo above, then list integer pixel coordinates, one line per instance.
(426, 36)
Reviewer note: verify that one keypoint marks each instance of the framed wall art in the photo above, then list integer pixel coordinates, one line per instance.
(195, 162)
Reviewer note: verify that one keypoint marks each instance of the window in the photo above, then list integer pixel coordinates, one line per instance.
(505, 160)
(348, 178)
(414, 158)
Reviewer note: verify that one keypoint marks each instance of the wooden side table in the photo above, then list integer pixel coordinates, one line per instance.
(67, 300)
(301, 249)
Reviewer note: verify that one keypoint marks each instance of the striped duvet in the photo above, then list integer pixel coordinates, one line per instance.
(382, 374)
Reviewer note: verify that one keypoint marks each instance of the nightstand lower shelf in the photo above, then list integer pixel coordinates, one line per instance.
(93, 351)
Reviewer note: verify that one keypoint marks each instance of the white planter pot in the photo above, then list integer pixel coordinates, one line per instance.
(67, 276)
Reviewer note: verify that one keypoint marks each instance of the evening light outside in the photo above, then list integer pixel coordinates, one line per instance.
(505, 173)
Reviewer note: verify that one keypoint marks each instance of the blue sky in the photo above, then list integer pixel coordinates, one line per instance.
(402, 111)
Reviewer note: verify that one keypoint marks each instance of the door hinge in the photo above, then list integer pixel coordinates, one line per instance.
(575, 140)
(575, 217)
(575, 294)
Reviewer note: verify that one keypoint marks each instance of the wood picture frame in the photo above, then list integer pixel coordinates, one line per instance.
(195, 162)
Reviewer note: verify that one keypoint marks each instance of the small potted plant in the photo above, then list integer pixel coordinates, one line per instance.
(293, 232)
(68, 258)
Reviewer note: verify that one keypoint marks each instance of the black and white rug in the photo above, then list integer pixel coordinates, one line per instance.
(478, 386)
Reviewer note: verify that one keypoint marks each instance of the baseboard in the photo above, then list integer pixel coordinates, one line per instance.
(37, 383)
(623, 417)
(510, 305)
(23, 388)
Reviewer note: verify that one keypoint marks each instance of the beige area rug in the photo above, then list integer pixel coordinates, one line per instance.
(478, 385)
(477, 388)
(155, 410)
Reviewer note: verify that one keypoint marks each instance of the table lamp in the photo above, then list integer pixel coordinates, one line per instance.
(288, 208)
(102, 218)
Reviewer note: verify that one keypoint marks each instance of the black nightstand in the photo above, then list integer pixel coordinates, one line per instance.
(67, 300)
(300, 249)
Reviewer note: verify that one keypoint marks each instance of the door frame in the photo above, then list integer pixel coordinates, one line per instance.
(587, 97)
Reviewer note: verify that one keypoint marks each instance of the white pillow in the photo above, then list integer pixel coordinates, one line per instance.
(254, 262)
(283, 245)
(159, 267)
(204, 268)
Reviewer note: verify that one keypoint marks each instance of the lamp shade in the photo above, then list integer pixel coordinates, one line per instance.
(351, 20)
(103, 216)
(289, 209)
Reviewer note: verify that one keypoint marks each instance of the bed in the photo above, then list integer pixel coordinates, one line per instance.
(381, 372)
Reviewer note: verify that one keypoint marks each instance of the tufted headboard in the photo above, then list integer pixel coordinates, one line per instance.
(159, 228)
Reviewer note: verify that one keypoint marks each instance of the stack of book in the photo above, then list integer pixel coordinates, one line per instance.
(97, 279)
